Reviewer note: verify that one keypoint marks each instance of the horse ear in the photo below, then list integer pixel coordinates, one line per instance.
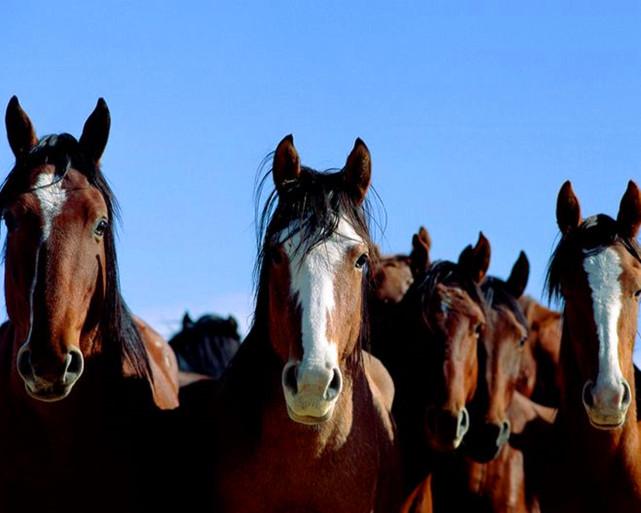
(358, 171)
(519, 276)
(20, 132)
(420, 255)
(629, 217)
(568, 210)
(286, 167)
(476, 260)
(187, 322)
(96, 131)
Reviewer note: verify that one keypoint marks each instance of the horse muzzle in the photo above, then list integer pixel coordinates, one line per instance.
(311, 392)
(606, 404)
(49, 384)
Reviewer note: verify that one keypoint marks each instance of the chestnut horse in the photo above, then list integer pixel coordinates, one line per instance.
(303, 425)
(81, 379)
(429, 344)
(596, 269)
(488, 474)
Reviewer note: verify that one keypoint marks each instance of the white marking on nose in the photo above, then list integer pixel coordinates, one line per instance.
(51, 196)
(312, 283)
(603, 270)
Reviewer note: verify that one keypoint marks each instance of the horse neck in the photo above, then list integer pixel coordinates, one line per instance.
(612, 449)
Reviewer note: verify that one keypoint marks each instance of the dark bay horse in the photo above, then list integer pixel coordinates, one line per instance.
(596, 269)
(488, 474)
(303, 424)
(207, 345)
(81, 378)
(429, 344)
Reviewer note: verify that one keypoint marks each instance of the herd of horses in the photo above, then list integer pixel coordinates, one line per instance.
(367, 383)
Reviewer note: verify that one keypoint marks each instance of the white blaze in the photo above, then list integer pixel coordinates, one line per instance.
(312, 283)
(48, 189)
(603, 270)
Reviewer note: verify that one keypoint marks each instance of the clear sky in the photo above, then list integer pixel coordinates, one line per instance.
(474, 115)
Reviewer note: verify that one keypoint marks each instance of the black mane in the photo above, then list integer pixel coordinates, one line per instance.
(116, 323)
(595, 232)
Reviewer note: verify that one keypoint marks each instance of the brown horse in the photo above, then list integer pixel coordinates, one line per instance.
(488, 474)
(303, 424)
(81, 378)
(429, 344)
(596, 269)
(539, 378)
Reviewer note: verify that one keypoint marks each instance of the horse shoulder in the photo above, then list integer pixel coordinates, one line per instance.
(164, 367)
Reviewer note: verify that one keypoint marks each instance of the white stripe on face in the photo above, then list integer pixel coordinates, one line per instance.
(603, 270)
(51, 196)
(312, 283)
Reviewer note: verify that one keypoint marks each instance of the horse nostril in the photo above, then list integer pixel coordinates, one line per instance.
(588, 398)
(24, 363)
(75, 363)
(463, 423)
(625, 401)
(291, 380)
(504, 435)
(335, 385)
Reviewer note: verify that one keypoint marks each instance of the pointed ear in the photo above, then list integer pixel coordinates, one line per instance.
(629, 217)
(20, 132)
(476, 260)
(519, 276)
(358, 171)
(96, 131)
(420, 255)
(568, 210)
(187, 322)
(286, 167)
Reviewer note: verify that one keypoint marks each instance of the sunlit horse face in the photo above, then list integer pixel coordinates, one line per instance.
(500, 353)
(55, 257)
(316, 291)
(598, 271)
(454, 319)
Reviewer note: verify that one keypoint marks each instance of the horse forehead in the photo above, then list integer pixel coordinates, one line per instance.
(323, 255)
(507, 323)
(603, 268)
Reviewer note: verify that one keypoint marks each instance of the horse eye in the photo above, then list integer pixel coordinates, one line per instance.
(637, 295)
(362, 261)
(10, 221)
(522, 341)
(101, 228)
(478, 329)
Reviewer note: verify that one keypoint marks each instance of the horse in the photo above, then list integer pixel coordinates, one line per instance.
(429, 344)
(303, 425)
(394, 274)
(207, 345)
(81, 379)
(539, 378)
(596, 270)
(488, 474)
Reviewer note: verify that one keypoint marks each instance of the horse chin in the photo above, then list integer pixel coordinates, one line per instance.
(606, 422)
(309, 420)
(48, 394)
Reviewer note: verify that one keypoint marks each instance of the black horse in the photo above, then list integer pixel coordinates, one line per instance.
(206, 346)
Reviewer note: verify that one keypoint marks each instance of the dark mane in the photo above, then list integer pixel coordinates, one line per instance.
(447, 273)
(116, 323)
(497, 295)
(595, 232)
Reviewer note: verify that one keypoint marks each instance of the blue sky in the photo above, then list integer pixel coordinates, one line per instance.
(474, 115)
